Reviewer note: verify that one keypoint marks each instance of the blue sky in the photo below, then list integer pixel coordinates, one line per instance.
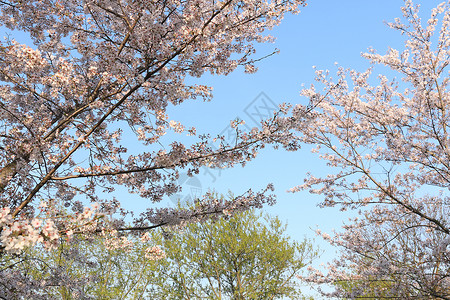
(324, 32)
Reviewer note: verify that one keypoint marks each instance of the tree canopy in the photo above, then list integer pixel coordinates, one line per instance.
(247, 256)
(84, 92)
(388, 140)
(244, 257)
(95, 70)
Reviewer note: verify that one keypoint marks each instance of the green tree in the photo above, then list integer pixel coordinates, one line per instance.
(247, 256)
(88, 269)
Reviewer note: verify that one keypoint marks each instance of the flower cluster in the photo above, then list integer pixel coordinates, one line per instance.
(154, 253)
(19, 234)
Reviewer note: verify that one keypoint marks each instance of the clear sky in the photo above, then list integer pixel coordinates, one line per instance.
(325, 32)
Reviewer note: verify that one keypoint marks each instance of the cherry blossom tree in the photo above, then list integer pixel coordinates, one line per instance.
(388, 140)
(95, 70)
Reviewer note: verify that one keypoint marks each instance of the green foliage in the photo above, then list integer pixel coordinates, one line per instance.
(367, 289)
(245, 257)
(87, 269)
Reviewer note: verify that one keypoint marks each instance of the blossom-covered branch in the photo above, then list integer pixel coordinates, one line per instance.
(389, 141)
(96, 71)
